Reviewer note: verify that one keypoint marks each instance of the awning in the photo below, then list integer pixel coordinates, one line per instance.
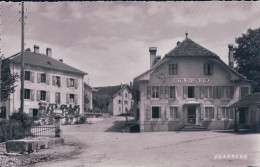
(192, 103)
(249, 100)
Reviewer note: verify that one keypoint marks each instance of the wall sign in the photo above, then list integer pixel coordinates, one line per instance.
(190, 80)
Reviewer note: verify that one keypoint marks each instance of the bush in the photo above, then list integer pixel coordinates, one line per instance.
(24, 119)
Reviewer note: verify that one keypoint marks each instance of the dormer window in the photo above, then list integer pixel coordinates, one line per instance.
(208, 69)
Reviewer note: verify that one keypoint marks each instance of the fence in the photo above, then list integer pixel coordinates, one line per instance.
(41, 131)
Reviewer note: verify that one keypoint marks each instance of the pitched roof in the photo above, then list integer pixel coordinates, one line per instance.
(44, 61)
(251, 99)
(110, 91)
(87, 86)
(190, 48)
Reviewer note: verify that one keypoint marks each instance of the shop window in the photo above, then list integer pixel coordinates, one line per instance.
(244, 91)
(27, 75)
(174, 112)
(227, 113)
(208, 69)
(156, 112)
(172, 92)
(172, 69)
(155, 91)
(191, 92)
(27, 94)
(209, 112)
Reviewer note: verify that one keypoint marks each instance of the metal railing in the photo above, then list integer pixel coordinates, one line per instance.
(41, 131)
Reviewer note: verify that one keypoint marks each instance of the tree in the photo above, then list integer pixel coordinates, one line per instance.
(247, 56)
(7, 79)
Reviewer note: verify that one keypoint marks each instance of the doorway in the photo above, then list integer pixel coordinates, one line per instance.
(242, 115)
(191, 114)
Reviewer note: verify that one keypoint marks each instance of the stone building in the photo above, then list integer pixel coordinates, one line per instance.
(190, 85)
(88, 92)
(46, 80)
(118, 99)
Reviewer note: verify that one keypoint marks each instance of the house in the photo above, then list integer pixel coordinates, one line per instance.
(88, 102)
(46, 80)
(249, 110)
(190, 85)
(115, 99)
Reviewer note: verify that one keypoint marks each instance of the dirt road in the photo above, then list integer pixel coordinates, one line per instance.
(105, 146)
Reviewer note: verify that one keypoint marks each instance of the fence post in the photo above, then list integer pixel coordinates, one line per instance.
(57, 125)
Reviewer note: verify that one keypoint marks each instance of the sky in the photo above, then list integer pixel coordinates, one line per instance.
(110, 40)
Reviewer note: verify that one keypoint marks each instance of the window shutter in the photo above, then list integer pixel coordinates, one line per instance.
(167, 110)
(60, 81)
(31, 112)
(148, 112)
(38, 77)
(53, 80)
(32, 77)
(68, 98)
(205, 69)
(32, 95)
(75, 99)
(202, 92)
(48, 79)
(197, 92)
(68, 82)
(161, 92)
(232, 91)
(185, 92)
(215, 92)
(166, 92)
(219, 92)
(38, 95)
(202, 111)
(228, 92)
(48, 96)
(76, 83)
(211, 69)
(148, 92)
(210, 92)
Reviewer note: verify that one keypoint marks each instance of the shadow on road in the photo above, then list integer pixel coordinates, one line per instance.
(241, 132)
(117, 126)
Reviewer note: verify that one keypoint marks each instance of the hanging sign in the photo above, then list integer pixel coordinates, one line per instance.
(190, 80)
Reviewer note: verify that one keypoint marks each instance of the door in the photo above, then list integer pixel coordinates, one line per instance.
(191, 114)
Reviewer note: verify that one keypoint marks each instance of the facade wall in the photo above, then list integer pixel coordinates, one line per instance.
(125, 97)
(187, 68)
(88, 94)
(35, 86)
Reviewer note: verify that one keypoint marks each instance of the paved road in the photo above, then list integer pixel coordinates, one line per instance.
(105, 146)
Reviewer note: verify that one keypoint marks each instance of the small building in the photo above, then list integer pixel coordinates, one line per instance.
(88, 101)
(113, 99)
(248, 108)
(190, 85)
(46, 80)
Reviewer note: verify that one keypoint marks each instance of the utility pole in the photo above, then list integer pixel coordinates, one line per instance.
(22, 59)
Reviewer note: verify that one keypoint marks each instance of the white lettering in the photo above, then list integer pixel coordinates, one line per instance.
(190, 80)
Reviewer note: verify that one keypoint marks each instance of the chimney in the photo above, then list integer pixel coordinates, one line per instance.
(48, 52)
(61, 60)
(28, 49)
(36, 49)
(178, 43)
(152, 51)
(231, 56)
(131, 84)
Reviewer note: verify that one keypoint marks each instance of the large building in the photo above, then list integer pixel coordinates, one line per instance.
(190, 85)
(46, 80)
(117, 99)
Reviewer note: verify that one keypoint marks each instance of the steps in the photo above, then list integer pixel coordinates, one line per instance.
(193, 128)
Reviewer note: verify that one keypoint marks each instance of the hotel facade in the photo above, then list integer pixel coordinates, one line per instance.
(190, 85)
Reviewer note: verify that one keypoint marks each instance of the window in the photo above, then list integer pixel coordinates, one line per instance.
(57, 97)
(191, 92)
(172, 92)
(125, 95)
(209, 112)
(244, 91)
(27, 94)
(119, 109)
(208, 69)
(227, 112)
(208, 92)
(156, 112)
(2, 112)
(217, 92)
(126, 110)
(172, 69)
(43, 95)
(174, 112)
(57, 81)
(155, 91)
(119, 101)
(35, 112)
(72, 99)
(43, 78)
(126, 102)
(27, 75)
(71, 82)
(226, 92)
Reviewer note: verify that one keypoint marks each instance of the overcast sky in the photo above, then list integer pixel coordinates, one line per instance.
(110, 40)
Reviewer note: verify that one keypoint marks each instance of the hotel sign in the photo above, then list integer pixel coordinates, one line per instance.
(190, 80)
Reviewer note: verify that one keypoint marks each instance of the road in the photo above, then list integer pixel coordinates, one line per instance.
(105, 146)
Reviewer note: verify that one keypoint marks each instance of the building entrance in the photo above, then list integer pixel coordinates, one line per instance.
(191, 114)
